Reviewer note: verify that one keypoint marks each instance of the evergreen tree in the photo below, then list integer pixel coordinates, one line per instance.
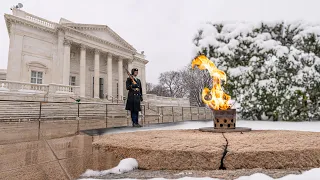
(273, 69)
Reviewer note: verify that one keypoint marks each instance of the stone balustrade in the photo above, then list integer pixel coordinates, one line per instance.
(11, 86)
(34, 18)
(63, 89)
(166, 101)
(21, 87)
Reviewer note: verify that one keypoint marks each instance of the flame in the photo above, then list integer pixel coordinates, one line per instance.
(215, 98)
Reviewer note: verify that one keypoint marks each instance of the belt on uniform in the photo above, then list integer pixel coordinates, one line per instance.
(136, 94)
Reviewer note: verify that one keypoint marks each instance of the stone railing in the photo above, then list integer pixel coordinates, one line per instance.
(140, 56)
(33, 18)
(10, 86)
(166, 101)
(21, 87)
(63, 89)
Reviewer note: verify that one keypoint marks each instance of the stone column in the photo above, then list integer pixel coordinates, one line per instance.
(66, 62)
(129, 65)
(144, 83)
(83, 70)
(120, 72)
(96, 72)
(109, 73)
(57, 59)
(15, 58)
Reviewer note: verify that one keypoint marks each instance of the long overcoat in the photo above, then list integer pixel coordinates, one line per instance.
(134, 95)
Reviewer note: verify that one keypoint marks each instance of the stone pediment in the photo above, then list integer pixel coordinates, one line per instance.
(102, 32)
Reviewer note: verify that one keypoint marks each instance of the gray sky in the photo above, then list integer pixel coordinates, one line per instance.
(162, 28)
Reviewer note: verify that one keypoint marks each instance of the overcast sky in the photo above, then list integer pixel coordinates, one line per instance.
(164, 29)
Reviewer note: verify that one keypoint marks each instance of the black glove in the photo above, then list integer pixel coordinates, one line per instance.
(141, 98)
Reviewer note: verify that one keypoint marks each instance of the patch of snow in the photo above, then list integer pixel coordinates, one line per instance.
(313, 174)
(255, 176)
(188, 178)
(266, 82)
(124, 166)
(238, 71)
(4, 89)
(30, 91)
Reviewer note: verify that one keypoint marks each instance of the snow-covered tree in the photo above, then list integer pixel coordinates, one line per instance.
(273, 68)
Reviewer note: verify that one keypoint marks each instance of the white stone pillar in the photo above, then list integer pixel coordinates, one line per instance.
(120, 72)
(66, 62)
(109, 73)
(15, 57)
(96, 72)
(83, 70)
(144, 83)
(57, 60)
(129, 65)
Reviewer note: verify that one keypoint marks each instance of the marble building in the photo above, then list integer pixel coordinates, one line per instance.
(70, 54)
(59, 60)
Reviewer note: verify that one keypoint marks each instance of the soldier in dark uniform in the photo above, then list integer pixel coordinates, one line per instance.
(134, 97)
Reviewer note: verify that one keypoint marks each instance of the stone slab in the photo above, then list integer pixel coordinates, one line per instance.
(213, 130)
(193, 149)
(273, 150)
(48, 171)
(174, 150)
(18, 155)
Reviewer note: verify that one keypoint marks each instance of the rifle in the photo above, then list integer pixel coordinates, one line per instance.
(132, 79)
(130, 75)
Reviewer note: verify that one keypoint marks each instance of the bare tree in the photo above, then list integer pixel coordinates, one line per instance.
(172, 81)
(149, 87)
(194, 80)
(160, 90)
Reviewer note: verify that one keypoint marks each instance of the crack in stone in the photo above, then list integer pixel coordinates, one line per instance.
(224, 154)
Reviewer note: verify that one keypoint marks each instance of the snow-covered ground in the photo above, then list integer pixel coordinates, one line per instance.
(313, 174)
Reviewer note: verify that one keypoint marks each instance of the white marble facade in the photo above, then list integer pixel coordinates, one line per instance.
(70, 54)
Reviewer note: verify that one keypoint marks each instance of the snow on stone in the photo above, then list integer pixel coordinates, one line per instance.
(313, 174)
(124, 166)
(188, 178)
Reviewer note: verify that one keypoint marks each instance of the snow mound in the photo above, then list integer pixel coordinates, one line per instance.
(124, 166)
(313, 174)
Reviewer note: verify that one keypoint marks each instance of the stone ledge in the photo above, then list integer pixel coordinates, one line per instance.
(192, 149)
(173, 150)
(273, 150)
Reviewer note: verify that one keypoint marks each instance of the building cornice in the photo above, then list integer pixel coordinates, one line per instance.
(10, 19)
(94, 38)
(141, 60)
(101, 28)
